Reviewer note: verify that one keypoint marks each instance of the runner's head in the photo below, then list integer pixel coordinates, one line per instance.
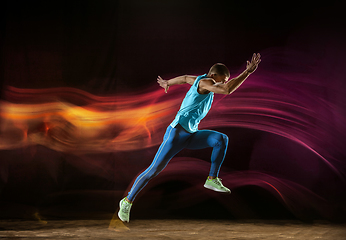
(219, 72)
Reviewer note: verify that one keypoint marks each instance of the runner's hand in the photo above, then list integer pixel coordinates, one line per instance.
(163, 83)
(252, 66)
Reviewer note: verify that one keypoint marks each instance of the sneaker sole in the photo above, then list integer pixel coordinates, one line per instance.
(215, 189)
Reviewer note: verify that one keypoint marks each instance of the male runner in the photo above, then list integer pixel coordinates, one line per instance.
(183, 131)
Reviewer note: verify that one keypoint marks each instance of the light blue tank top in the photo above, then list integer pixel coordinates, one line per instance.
(194, 107)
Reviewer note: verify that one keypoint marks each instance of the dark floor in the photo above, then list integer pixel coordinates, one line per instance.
(170, 229)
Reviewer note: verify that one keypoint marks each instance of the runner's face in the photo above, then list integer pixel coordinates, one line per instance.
(220, 78)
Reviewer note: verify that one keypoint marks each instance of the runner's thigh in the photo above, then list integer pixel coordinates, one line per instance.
(205, 138)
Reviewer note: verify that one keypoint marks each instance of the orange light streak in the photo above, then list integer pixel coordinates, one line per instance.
(100, 125)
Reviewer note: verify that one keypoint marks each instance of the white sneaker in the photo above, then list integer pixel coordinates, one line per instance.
(124, 211)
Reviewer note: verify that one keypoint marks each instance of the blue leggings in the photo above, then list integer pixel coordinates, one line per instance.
(174, 141)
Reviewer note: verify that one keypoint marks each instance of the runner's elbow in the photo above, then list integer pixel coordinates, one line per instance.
(227, 91)
(223, 91)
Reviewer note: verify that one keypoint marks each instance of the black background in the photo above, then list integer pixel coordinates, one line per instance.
(119, 47)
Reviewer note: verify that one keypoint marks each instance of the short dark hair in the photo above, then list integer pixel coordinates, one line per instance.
(219, 69)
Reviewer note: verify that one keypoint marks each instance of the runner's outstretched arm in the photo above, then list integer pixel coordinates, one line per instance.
(165, 84)
(231, 85)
